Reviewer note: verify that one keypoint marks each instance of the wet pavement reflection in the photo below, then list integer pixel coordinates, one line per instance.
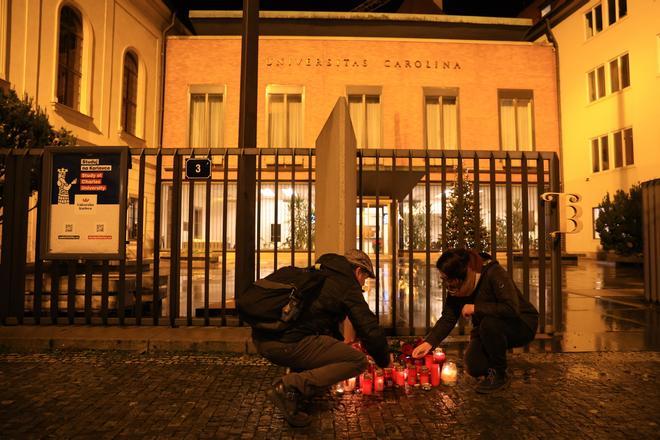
(603, 304)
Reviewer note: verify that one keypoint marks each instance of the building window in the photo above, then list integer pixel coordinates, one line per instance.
(594, 20)
(69, 65)
(619, 73)
(129, 93)
(206, 112)
(285, 116)
(516, 122)
(616, 10)
(600, 154)
(596, 79)
(441, 122)
(366, 118)
(623, 148)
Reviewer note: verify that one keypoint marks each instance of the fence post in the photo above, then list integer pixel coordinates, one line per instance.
(7, 234)
(557, 300)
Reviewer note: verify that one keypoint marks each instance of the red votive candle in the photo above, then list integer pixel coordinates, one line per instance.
(424, 376)
(412, 375)
(435, 375)
(379, 381)
(428, 360)
(439, 356)
(387, 375)
(400, 376)
(366, 385)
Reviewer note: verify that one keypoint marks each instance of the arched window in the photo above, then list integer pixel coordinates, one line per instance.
(69, 66)
(129, 94)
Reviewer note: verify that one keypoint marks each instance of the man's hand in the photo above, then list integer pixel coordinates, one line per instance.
(348, 331)
(468, 310)
(421, 350)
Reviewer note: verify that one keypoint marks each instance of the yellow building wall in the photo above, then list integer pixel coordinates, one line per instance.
(637, 106)
(110, 28)
(326, 66)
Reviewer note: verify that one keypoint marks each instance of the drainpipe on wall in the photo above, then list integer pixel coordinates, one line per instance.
(555, 44)
(163, 56)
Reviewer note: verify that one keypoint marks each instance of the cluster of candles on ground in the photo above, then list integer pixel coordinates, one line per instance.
(427, 372)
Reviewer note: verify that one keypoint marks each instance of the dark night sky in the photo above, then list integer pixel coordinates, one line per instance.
(499, 8)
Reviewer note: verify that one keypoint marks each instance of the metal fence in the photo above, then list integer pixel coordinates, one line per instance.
(180, 236)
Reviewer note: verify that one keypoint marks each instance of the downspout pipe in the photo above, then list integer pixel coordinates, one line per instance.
(163, 57)
(551, 38)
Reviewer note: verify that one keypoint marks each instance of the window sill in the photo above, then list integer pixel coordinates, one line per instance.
(132, 140)
(606, 28)
(73, 116)
(612, 170)
(609, 96)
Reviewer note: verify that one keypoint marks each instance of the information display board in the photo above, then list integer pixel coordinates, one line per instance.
(84, 203)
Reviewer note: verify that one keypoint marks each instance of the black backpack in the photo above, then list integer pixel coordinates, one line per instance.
(273, 303)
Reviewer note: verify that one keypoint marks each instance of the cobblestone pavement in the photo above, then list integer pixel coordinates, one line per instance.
(122, 395)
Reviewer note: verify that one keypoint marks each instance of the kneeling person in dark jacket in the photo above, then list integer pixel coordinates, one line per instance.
(313, 346)
(502, 318)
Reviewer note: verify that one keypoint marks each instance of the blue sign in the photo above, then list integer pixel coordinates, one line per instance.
(198, 169)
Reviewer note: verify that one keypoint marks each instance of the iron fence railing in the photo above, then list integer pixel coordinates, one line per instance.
(180, 266)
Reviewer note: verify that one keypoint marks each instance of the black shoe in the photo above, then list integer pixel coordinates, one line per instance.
(288, 401)
(495, 381)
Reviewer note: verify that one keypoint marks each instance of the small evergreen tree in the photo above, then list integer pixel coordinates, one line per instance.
(517, 226)
(24, 126)
(300, 226)
(418, 231)
(619, 223)
(463, 217)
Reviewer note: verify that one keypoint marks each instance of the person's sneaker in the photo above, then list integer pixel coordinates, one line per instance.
(287, 400)
(494, 381)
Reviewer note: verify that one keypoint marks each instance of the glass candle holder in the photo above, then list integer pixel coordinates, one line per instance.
(412, 375)
(389, 379)
(366, 385)
(435, 375)
(439, 356)
(400, 376)
(428, 360)
(379, 381)
(424, 376)
(349, 384)
(449, 374)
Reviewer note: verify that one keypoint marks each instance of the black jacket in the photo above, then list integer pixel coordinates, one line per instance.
(340, 297)
(495, 295)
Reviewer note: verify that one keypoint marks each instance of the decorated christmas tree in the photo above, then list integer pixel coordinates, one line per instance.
(464, 219)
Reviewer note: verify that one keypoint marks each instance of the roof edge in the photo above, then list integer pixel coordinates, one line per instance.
(364, 16)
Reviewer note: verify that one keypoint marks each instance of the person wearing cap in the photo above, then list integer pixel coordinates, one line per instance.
(313, 347)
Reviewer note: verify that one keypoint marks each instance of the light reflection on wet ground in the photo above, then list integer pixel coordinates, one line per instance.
(604, 307)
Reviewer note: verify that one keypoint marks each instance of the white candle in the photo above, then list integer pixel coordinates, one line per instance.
(449, 373)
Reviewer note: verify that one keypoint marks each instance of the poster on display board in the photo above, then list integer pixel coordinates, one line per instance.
(84, 203)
